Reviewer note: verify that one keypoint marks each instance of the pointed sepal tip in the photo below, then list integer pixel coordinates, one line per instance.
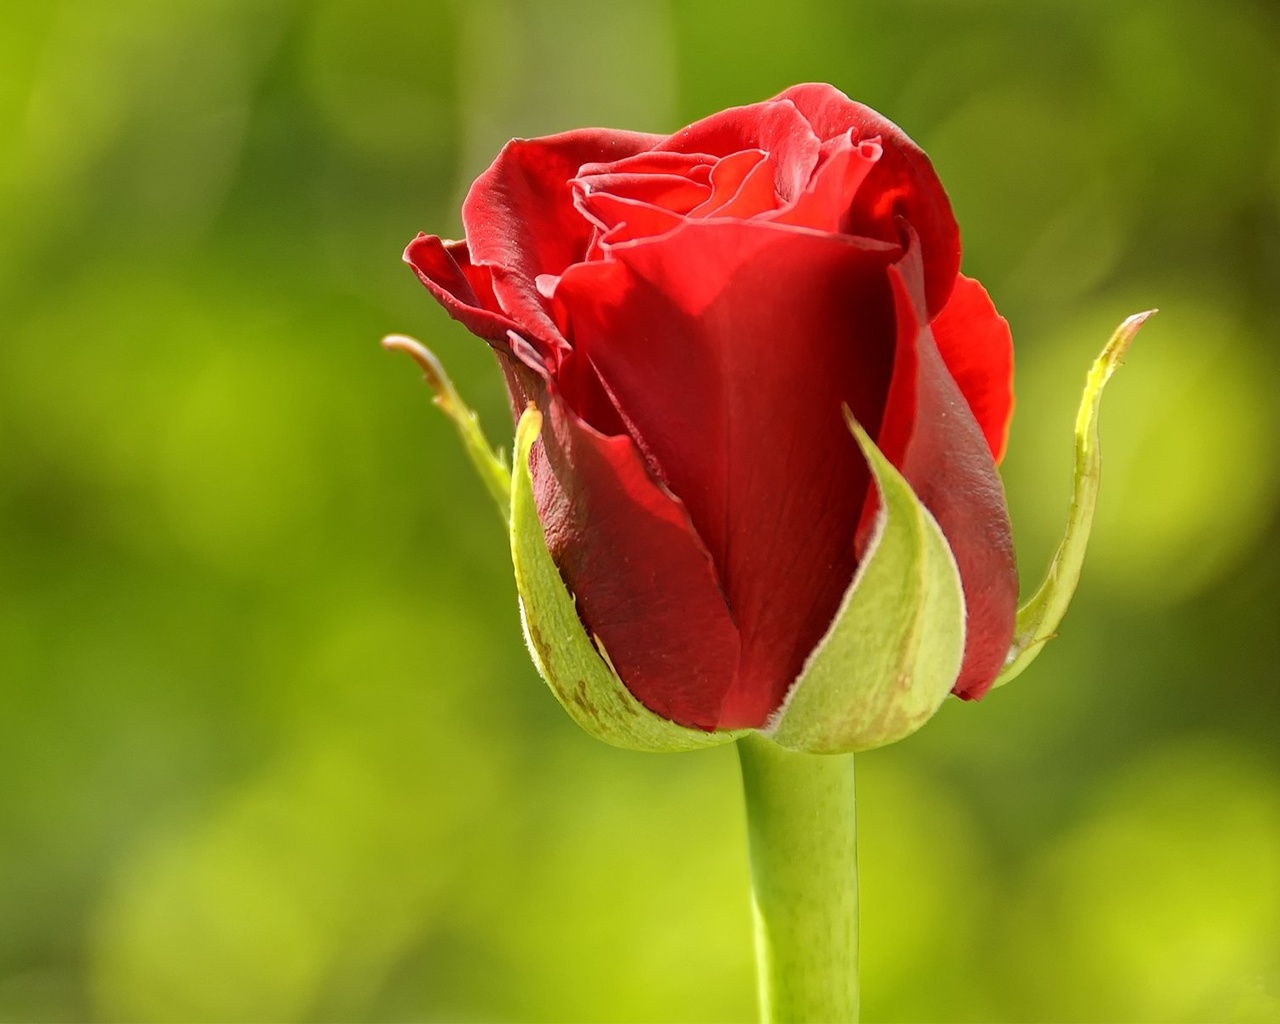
(1039, 618)
(488, 462)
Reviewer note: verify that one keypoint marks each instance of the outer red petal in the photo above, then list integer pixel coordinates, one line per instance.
(930, 434)
(623, 544)
(975, 343)
(732, 381)
(446, 269)
(902, 184)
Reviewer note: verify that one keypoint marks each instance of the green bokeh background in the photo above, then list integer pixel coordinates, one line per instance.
(270, 745)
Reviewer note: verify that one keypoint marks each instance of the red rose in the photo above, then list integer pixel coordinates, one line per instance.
(690, 313)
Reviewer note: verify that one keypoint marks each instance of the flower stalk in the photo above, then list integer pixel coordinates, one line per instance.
(804, 881)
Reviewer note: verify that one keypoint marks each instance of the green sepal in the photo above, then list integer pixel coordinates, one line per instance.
(894, 649)
(577, 670)
(488, 463)
(1039, 618)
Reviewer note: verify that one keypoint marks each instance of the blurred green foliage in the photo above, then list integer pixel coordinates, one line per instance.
(271, 746)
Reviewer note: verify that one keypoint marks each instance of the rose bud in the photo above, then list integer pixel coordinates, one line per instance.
(759, 416)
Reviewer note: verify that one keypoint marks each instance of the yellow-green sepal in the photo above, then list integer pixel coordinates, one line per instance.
(575, 668)
(894, 649)
(1038, 619)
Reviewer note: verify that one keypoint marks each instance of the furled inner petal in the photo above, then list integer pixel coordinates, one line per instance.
(674, 181)
(620, 219)
(901, 185)
(825, 202)
(775, 127)
(713, 374)
(695, 166)
(663, 190)
(741, 186)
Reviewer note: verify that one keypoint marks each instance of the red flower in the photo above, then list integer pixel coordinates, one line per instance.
(690, 313)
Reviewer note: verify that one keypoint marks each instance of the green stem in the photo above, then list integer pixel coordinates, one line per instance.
(804, 881)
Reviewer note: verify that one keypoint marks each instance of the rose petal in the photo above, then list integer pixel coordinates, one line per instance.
(445, 268)
(902, 184)
(666, 191)
(521, 222)
(694, 166)
(774, 482)
(580, 387)
(775, 127)
(826, 199)
(930, 434)
(741, 186)
(624, 219)
(644, 582)
(673, 181)
(975, 343)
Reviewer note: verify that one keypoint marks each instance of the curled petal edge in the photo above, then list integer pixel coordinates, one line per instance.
(895, 647)
(577, 669)
(1038, 619)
